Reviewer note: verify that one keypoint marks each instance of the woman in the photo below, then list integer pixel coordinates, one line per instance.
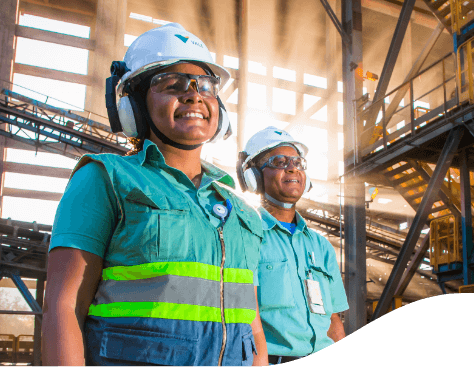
(152, 256)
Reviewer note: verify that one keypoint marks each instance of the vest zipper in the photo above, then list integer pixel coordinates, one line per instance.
(224, 330)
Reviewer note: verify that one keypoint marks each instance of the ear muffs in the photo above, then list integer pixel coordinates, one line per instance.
(126, 115)
(251, 179)
(224, 130)
(131, 118)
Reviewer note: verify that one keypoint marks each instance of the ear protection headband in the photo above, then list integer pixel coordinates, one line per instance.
(251, 179)
(128, 114)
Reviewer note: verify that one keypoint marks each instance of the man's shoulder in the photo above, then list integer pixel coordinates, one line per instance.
(318, 239)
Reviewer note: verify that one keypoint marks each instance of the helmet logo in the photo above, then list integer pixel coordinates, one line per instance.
(278, 132)
(182, 38)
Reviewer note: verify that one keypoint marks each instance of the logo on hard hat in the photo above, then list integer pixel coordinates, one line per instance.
(182, 38)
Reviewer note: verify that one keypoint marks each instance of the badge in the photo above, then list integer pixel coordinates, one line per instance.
(315, 298)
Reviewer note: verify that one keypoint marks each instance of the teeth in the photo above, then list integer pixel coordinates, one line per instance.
(292, 181)
(192, 114)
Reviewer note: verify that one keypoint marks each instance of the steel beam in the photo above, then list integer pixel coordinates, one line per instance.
(242, 81)
(395, 101)
(419, 221)
(389, 64)
(25, 292)
(413, 266)
(441, 194)
(466, 219)
(37, 332)
(354, 188)
(345, 37)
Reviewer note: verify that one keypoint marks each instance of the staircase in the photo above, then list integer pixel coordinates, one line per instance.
(442, 11)
(410, 178)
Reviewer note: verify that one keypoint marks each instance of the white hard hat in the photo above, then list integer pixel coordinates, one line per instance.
(167, 45)
(270, 138)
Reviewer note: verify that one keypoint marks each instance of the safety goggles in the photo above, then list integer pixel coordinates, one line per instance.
(283, 161)
(174, 83)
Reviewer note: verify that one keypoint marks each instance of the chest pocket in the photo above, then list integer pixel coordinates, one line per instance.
(158, 227)
(324, 278)
(275, 286)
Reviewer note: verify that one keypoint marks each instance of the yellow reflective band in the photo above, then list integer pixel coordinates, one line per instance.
(181, 268)
(163, 310)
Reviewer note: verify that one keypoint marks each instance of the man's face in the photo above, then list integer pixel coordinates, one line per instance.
(286, 185)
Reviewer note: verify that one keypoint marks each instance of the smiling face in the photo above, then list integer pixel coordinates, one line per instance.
(187, 118)
(286, 185)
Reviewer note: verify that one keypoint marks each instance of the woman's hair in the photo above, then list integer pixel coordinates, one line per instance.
(137, 145)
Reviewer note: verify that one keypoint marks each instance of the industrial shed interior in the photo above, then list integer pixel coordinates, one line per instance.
(381, 91)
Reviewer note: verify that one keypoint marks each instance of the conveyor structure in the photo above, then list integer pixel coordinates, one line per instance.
(54, 129)
(426, 151)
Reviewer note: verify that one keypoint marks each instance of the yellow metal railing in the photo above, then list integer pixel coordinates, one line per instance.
(457, 17)
(465, 71)
(445, 243)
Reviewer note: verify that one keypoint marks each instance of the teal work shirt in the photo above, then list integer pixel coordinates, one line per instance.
(94, 202)
(291, 329)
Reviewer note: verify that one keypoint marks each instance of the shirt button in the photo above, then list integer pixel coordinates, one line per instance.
(269, 267)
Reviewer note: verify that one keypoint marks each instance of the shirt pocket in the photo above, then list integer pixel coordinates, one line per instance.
(174, 237)
(275, 286)
(155, 231)
(139, 346)
(324, 278)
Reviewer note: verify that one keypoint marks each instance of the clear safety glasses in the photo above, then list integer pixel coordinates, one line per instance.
(283, 161)
(174, 83)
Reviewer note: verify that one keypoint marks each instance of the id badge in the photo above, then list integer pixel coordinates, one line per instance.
(315, 299)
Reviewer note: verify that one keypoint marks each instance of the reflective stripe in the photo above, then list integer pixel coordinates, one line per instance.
(176, 289)
(172, 311)
(181, 268)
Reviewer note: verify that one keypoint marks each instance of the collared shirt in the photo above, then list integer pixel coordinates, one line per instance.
(90, 210)
(286, 260)
(159, 299)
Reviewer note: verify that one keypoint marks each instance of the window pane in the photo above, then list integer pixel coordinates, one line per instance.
(284, 101)
(51, 56)
(57, 26)
(257, 96)
(66, 95)
(285, 74)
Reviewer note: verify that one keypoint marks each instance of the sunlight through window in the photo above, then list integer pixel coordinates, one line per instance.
(65, 95)
(257, 96)
(340, 141)
(340, 113)
(284, 101)
(321, 115)
(128, 39)
(257, 68)
(231, 62)
(309, 100)
(39, 53)
(315, 81)
(52, 25)
(285, 74)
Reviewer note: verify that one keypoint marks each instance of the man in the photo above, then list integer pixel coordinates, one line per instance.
(300, 287)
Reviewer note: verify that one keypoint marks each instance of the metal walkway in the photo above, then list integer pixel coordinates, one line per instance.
(54, 129)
